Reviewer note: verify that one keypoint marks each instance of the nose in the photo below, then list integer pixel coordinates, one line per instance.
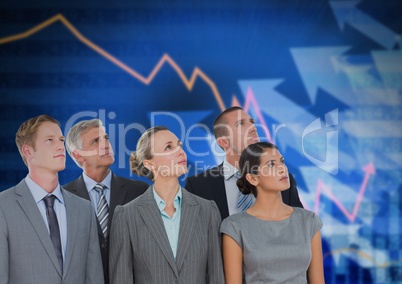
(105, 144)
(60, 146)
(252, 128)
(282, 171)
(181, 152)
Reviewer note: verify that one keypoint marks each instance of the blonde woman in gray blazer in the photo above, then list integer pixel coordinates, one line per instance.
(166, 235)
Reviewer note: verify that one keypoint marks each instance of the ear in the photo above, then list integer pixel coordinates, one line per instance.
(27, 151)
(252, 179)
(223, 142)
(77, 156)
(148, 164)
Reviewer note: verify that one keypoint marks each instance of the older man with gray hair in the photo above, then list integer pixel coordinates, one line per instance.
(88, 145)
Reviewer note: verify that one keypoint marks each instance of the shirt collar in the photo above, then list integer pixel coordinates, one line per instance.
(228, 170)
(39, 193)
(161, 203)
(90, 183)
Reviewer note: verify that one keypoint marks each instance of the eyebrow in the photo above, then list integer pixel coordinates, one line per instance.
(171, 142)
(281, 158)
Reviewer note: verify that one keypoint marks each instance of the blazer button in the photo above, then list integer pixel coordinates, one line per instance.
(103, 245)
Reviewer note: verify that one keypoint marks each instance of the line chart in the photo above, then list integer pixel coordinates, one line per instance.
(369, 170)
(250, 100)
(189, 83)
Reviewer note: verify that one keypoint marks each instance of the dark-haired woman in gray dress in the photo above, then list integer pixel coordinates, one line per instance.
(270, 242)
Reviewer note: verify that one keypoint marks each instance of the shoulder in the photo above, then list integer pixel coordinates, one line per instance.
(197, 199)
(304, 213)
(76, 200)
(72, 184)
(130, 182)
(210, 173)
(7, 195)
(236, 219)
(307, 217)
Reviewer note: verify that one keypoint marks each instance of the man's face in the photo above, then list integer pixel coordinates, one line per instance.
(240, 130)
(49, 153)
(96, 150)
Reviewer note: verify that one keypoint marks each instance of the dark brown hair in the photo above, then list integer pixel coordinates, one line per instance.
(249, 163)
(220, 128)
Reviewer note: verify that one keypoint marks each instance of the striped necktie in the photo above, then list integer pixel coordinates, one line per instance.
(102, 210)
(244, 201)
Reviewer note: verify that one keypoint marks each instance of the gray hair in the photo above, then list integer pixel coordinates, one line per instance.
(74, 141)
(144, 152)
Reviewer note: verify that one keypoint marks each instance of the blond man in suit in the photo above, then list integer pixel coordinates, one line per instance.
(47, 235)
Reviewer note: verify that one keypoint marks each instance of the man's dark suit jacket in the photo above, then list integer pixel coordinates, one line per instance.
(211, 185)
(123, 191)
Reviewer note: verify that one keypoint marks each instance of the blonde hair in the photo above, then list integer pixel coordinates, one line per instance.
(144, 152)
(27, 132)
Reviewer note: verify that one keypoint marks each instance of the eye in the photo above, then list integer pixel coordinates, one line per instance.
(49, 139)
(271, 164)
(168, 147)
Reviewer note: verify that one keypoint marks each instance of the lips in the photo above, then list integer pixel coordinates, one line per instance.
(60, 156)
(284, 178)
(183, 162)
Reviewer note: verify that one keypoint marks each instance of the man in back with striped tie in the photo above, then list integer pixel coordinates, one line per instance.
(234, 130)
(89, 147)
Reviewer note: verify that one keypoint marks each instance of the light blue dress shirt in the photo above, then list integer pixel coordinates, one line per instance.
(93, 194)
(232, 191)
(172, 225)
(38, 194)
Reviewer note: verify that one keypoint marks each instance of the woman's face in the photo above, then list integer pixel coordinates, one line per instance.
(169, 159)
(272, 172)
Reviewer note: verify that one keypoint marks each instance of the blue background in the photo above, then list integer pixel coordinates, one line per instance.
(323, 78)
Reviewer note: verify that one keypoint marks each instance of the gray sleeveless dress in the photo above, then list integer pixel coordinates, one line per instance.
(274, 251)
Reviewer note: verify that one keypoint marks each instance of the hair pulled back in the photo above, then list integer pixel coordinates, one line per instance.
(249, 163)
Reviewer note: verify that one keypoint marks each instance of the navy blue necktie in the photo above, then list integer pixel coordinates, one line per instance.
(54, 227)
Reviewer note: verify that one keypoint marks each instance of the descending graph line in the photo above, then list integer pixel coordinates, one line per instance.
(250, 100)
(362, 254)
(189, 83)
(369, 170)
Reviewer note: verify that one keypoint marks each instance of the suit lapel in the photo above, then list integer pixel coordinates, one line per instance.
(217, 185)
(118, 194)
(28, 204)
(72, 215)
(151, 215)
(80, 189)
(189, 212)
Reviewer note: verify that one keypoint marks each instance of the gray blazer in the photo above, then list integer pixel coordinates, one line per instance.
(122, 191)
(140, 251)
(26, 251)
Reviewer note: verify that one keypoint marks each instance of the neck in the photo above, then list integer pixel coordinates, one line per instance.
(167, 188)
(97, 174)
(269, 205)
(46, 180)
(233, 159)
